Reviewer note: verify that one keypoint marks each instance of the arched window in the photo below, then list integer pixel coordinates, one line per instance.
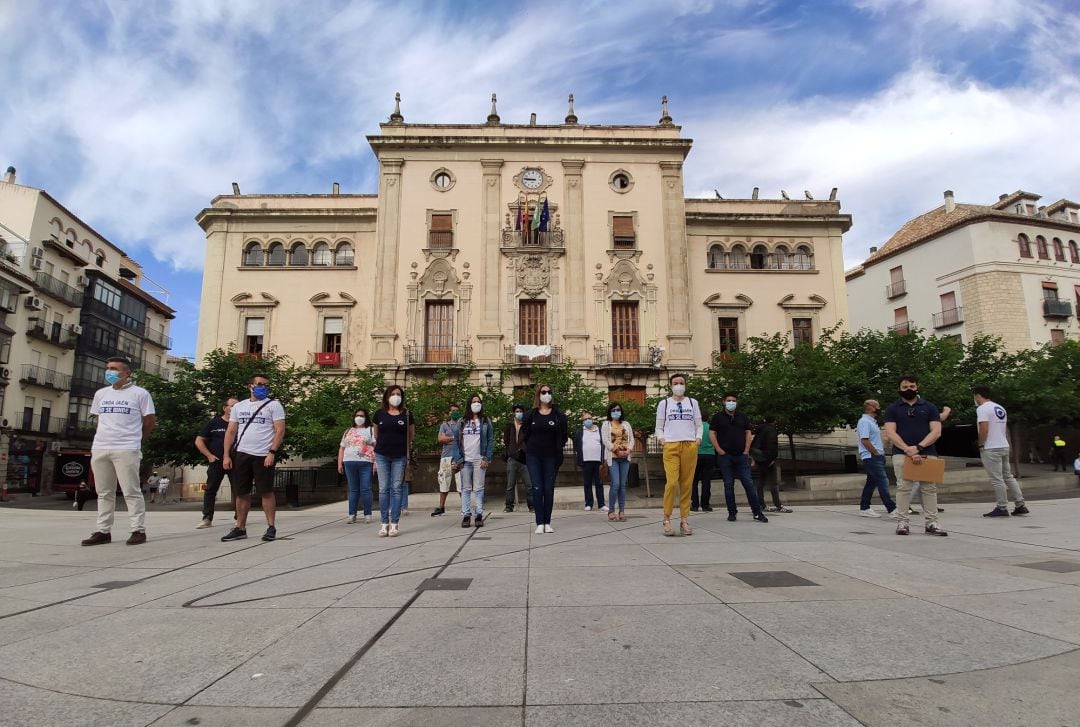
(298, 255)
(1074, 252)
(737, 258)
(716, 257)
(1040, 244)
(1025, 245)
(782, 258)
(253, 255)
(321, 254)
(275, 254)
(802, 259)
(758, 257)
(344, 254)
(1059, 251)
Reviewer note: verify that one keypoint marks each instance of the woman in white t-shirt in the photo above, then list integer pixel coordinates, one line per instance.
(474, 449)
(355, 459)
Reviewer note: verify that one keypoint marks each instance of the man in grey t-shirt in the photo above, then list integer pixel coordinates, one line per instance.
(448, 432)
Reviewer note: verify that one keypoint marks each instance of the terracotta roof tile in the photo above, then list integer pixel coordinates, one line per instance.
(1008, 200)
(1060, 205)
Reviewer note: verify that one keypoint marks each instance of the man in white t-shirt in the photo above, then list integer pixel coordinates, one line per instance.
(993, 423)
(256, 430)
(125, 418)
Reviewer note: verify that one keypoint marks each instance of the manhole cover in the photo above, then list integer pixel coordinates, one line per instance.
(445, 584)
(772, 579)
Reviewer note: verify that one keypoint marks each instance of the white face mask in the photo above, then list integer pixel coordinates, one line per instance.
(476, 407)
(359, 421)
(545, 398)
(730, 405)
(395, 400)
(678, 389)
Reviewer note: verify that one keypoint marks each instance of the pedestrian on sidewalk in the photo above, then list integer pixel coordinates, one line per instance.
(590, 451)
(872, 457)
(83, 495)
(515, 460)
(764, 450)
(152, 486)
(703, 472)
(913, 425)
(125, 418)
(252, 441)
(1057, 453)
(731, 437)
(544, 434)
(394, 433)
(447, 477)
(356, 460)
(474, 448)
(993, 423)
(210, 442)
(163, 488)
(678, 431)
(618, 435)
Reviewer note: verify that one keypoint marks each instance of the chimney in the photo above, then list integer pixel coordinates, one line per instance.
(754, 194)
(1002, 196)
(236, 189)
(950, 203)
(9, 175)
(337, 189)
(532, 119)
(873, 250)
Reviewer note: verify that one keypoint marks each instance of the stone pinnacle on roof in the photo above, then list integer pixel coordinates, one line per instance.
(493, 117)
(571, 118)
(665, 117)
(396, 117)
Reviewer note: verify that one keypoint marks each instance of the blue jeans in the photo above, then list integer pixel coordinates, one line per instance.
(620, 468)
(590, 473)
(472, 481)
(876, 479)
(391, 477)
(732, 466)
(542, 473)
(358, 475)
(405, 495)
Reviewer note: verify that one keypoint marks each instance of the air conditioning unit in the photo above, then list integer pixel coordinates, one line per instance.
(37, 252)
(36, 263)
(76, 329)
(34, 303)
(5, 373)
(82, 281)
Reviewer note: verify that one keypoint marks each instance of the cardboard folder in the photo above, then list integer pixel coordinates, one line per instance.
(929, 470)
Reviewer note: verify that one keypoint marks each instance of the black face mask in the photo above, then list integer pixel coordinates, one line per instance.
(909, 394)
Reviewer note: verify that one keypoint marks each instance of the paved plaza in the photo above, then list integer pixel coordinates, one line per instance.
(820, 617)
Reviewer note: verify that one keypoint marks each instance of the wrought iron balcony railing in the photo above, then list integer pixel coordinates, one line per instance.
(950, 317)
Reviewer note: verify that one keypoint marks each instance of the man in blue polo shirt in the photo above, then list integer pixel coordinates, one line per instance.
(913, 424)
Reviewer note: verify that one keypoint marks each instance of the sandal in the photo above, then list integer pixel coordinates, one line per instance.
(668, 529)
(622, 517)
(612, 516)
(684, 528)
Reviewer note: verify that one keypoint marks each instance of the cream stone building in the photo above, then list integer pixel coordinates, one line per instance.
(1010, 269)
(442, 267)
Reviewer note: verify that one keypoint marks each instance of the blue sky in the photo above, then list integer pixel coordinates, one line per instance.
(135, 114)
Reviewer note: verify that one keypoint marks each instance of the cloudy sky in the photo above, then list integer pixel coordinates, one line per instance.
(135, 114)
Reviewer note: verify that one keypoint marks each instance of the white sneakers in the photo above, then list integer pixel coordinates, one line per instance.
(384, 530)
(203, 525)
(351, 520)
(605, 508)
(588, 508)
(548, 529)
(869, 512)
(393, 530)
(367, 518)
(539, 530)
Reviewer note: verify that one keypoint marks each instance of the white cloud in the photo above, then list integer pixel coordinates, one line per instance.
(964, 14)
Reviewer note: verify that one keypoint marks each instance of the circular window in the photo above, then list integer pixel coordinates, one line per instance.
(442, 180)
(621, 181)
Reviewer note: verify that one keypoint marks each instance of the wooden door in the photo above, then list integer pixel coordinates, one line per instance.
(439, 332)
(624, 332)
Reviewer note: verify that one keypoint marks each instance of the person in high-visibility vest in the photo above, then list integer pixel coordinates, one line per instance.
(1058, 454)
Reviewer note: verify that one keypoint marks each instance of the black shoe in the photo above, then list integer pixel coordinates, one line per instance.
(234, 534)
(438, 511)
(760, 517)
(466, 522)
(694, 508)
(941, 509)
(478, 521)
(997, 512)
(731, 517)
(1021, 509)
(508, 508)
(530, 508)
(137, 538)
(98, 538)
(270, 534)
(706, 508)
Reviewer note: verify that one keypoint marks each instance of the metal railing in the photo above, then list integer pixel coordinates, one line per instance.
(511, 357)
(80, 428)
(159, 337)
(42, 376)
(460, 355)
(532, 238)
(440, 240)
(901, 329)
(84, 387)
(949, 317)
(614, 357)
(111, 314)
(1056, 308)
(58, 289)
(98, 349)
(159, 371)
(896, 289)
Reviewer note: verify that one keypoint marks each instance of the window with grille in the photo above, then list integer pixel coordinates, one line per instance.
(729, 336)
(441, 233)
(802, 331)
(439, 331)
(622, 232)
(624, 331)
(1050, 291)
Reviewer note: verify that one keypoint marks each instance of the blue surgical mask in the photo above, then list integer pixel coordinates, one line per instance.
(260, 392)
(616, 415)
(519, 415)
(730, 405)
(112, 377)
(588, 423)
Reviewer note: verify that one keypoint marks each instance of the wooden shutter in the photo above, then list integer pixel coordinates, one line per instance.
(622, 230)
(532, 324)
(729, 336)
(624, 331)
(442, 231)
(439, 331)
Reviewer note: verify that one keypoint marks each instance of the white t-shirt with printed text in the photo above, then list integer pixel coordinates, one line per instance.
(259, 436)
(120, 415)
(995, 415)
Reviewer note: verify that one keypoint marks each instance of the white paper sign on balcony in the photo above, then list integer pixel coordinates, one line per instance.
(531, 352)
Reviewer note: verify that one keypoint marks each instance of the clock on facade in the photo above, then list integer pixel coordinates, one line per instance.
(532, 178)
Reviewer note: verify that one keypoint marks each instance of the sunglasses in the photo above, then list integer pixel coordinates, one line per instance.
(545, 391)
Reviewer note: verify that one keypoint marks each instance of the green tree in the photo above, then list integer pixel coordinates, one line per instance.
(315, 423)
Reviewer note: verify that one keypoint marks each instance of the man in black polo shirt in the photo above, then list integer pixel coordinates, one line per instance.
(211, 443)
(729, 431)
(913, 424)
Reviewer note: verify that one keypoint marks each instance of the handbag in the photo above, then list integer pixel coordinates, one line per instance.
(605, 472)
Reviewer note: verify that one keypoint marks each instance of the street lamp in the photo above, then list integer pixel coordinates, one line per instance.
(488, 376)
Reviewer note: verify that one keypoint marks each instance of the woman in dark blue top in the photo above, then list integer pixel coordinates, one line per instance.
(543, 436)
(394, 432)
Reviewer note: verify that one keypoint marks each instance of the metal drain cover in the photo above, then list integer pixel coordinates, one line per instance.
(445, 584)
(772, 579)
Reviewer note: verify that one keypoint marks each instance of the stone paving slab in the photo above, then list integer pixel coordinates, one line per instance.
(781, 713)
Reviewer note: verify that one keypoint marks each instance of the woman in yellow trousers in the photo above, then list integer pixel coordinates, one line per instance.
(678, 430)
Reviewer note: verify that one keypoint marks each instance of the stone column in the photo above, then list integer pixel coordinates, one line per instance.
(489, 334)
(679, 351)
(576, 335)
(384, 328)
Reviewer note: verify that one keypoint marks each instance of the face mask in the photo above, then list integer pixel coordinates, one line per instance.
(395, 400)
(112, 377)
(588, 423)
(359, 421)
(455, 415)
(616, 415)
(545, 398)
(260, 392)
(909, 394)
(476, 407)
(678, 389)
(730, 405)
(519, 415)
